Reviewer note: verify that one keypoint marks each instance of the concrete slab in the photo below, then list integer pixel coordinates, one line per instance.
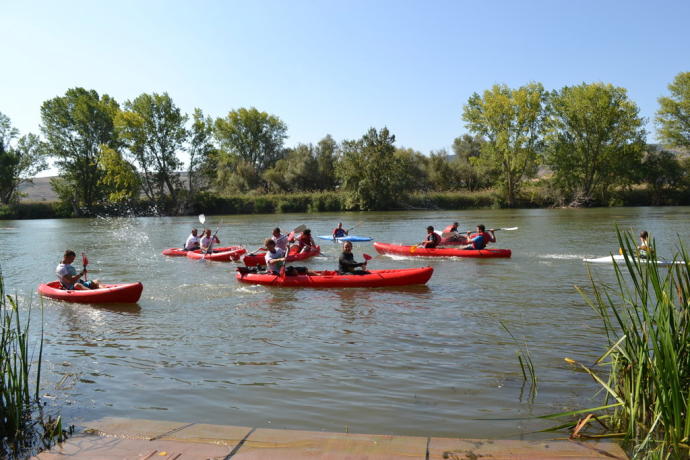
(289, 444)
(90, 447)
(453, 449)
(215, 434)
(132, 429)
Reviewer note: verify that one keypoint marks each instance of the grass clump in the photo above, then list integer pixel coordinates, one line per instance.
(646, 376)
(24, 427)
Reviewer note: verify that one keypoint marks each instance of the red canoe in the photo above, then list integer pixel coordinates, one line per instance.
(414, 251)
(259, 259)
(332, 279)
(109, 293)
(219, 255)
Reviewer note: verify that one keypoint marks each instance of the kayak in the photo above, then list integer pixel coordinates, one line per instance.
(109, 293)
(351, 238)
(459, 239)
(330, 279)
(618, 258)
(180, 252)
(415, 251)
(252, 260)
(218, 255)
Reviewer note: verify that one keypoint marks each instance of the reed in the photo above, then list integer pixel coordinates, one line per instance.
(24, 426)
(645, 371)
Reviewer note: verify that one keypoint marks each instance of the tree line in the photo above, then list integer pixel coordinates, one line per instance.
(582, 142)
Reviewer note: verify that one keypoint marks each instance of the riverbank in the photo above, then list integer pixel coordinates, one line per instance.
(125, 438)
(535, 195)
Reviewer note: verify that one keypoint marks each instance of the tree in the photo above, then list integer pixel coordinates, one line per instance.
(662, 170)
(120, 178)
(511, 120)
(252, 136)
(298, 171)
(75, 126)
(371, 174)
(326, 158)
(201, 152)
(673, 117)
(594, 139)
(19, 161)
(153, 130)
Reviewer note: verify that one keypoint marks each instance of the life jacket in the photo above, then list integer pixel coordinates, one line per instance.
(480, 240)
(338, 232)
(432, 240)
(450, 228)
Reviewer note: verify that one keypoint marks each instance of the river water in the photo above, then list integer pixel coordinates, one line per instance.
(433, 360)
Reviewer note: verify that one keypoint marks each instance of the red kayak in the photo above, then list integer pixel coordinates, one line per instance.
(252, 260)
(109, 293)
(180, 252)
(218, 255)
(332, 279)
(415, 251)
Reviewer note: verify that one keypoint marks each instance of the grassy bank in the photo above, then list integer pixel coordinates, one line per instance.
(25, 427)
(534, 195)
(645, 372)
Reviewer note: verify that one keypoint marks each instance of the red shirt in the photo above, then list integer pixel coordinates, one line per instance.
(305, 240)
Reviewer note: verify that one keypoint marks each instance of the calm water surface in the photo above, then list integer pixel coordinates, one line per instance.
(431, 360)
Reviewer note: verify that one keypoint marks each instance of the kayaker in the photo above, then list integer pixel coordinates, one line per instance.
(339, 231)
(455, 237)
(305, 241)
(192, 243)
(68, 276)
(644, 249)
(347, 264)
(481, 238)
(452, 228)
(280, 239)
(432, 238)
(275, 257)
(207, 239)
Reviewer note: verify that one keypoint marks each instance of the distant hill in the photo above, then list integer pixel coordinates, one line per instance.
(39, 190)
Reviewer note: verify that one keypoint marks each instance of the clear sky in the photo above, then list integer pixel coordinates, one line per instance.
(336, 67)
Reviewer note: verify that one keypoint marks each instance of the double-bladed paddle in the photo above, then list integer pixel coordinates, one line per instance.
(450, 234)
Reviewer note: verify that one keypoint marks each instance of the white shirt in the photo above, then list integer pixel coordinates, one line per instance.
(191, 243)
(278, 254)
(281, 241)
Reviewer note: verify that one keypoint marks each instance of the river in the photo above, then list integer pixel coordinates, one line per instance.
(432, 361)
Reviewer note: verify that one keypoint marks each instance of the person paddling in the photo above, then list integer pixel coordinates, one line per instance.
(192, 243)
(432, 239)
(305, 241)
(481, 238)
(339, 231)
(455, 237)
(275, 257)
(644, 249)
(206, 240)
(68, 276)
(347, 264)
(280, 239)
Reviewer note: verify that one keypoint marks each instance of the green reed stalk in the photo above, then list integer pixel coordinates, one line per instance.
(646, 318)
(23, 427)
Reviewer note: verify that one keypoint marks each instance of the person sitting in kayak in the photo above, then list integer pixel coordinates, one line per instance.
(452, 228)
(481, 238)
(207, 239)
(68, 276)
(275, 257)
(192, 243)
(339, 231)
(347, 264)
(280, 239)
(462, 239)
(432, 239)
(305, 241)
(644, 249)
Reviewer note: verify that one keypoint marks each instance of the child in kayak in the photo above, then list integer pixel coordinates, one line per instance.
(347, 264)
(432, 238)
(68, 276)
(481, 238)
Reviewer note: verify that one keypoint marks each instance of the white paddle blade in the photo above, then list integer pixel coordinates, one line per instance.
(300, 228)
(202, 219)
(508, 228)
(448, 234)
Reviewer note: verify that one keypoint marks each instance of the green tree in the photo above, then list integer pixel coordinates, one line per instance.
(19, 161)
(371, 174)
(298, 171)
(673, 116)
(663, 171)
(511, 121)
(75, 126)
(252, 136)
(120, 178)
(327, 158)
(153, 129)
(202, 153)
(594, 139)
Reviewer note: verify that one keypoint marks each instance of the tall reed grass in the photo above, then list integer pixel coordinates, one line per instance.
(646, 367)
(25, 428)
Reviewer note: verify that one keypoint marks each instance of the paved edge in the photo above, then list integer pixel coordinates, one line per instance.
(117, 438)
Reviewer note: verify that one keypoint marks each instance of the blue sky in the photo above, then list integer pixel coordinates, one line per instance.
(338, 68)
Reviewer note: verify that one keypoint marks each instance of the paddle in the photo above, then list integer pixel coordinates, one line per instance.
(354, 226)
(202, 219)
(84, 262)
(451, 234)
(367, 258)
(298, 229)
